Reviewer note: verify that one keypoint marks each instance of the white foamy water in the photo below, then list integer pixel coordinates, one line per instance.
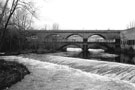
(50, 76)
(96, 50)
(110, 69)
(74, 49)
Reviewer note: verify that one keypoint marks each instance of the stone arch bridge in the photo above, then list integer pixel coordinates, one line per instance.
(57, 39)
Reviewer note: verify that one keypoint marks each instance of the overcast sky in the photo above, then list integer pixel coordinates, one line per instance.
(86, 14)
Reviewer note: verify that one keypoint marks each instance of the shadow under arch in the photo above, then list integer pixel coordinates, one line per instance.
(103, 46)
(97, 35)
(63, 48)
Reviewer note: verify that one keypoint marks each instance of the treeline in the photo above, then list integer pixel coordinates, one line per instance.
(15, 17)
(14, 41)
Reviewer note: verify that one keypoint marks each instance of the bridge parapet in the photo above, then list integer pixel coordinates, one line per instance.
(78, 41)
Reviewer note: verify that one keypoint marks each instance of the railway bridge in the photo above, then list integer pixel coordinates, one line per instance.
(59, 39)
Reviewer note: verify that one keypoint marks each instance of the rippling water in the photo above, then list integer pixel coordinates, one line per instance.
(99, 54)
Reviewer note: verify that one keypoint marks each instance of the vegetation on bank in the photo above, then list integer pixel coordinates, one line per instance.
(11, 73)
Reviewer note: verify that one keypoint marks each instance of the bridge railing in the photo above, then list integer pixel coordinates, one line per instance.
(109, 41)
(80, 41)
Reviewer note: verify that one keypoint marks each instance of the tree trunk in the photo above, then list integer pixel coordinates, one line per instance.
(3, 33)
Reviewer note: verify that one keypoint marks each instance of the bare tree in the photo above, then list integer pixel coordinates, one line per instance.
(15, 4)
(131, 25)
(22, 19)
(45, 28)
(55, 26)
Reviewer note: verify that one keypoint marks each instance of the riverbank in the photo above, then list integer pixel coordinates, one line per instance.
(11, 73)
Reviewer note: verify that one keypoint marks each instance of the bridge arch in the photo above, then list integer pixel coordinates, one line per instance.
(75, 37)
(95, 37)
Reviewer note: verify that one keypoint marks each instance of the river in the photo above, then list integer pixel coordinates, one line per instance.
(99, 54)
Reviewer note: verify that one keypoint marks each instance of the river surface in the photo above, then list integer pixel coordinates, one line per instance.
(103, 56)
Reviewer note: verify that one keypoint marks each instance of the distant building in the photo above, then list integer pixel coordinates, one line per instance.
(128, 38)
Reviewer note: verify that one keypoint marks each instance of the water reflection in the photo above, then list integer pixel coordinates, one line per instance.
(103, 56)
(123, 58)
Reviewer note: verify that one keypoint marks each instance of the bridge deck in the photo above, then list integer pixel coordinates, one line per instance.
(74, 31)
